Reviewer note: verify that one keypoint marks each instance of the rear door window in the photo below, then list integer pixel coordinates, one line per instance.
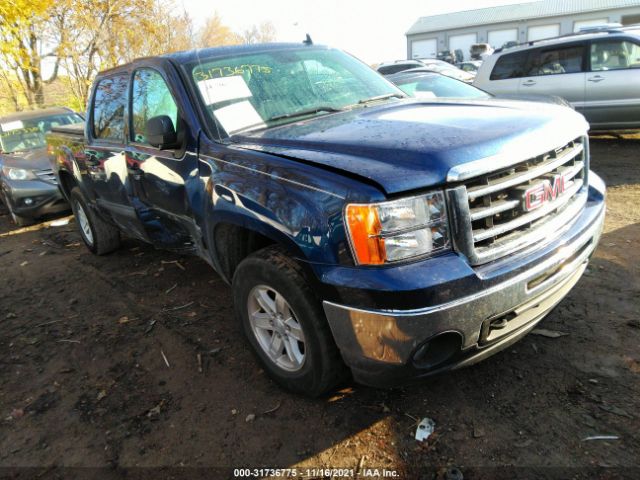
(556, 61)
(108, 108)
(510, 65)
(614, 55)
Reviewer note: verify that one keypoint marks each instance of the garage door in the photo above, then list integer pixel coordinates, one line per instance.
(463, 42)
(424, 48)
(589, 23)
(543, 31)
(497, 38)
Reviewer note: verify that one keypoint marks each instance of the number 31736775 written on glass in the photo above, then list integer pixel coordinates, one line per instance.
(217, 72)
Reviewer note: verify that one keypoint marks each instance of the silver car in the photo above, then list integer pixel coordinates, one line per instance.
(597, 72)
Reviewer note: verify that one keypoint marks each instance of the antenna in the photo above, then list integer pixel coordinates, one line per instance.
(308, 41)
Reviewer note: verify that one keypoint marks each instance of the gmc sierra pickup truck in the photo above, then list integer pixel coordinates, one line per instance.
(357, 228)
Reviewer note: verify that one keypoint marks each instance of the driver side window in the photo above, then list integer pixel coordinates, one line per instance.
(150, 98)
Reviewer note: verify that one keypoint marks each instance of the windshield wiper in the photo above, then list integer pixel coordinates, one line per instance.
(308, 111)
(381, 97)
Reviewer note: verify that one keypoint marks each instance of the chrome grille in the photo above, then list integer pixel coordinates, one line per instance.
(47, 175)
(502, 211)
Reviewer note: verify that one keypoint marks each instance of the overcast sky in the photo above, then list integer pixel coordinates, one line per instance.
(372, 30)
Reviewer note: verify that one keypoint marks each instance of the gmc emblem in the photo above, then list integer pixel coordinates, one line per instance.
(546, 191)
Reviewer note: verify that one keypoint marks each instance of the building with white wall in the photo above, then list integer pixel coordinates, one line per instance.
(514, 23)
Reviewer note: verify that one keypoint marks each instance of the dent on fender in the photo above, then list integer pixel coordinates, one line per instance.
(273, 199)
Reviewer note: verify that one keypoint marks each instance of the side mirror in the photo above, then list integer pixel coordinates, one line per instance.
(161, 133)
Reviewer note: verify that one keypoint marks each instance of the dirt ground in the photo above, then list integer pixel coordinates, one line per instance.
(110, 364)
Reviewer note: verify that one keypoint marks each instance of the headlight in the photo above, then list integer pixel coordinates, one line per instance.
(399, 229)
(18, 173)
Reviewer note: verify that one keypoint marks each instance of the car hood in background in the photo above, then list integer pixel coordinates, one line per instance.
(37, 159)
(533, 97)
(412, 144)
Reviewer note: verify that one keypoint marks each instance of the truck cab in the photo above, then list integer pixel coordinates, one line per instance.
(360, 230)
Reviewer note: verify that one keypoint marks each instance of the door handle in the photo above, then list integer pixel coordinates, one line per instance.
(596, 79)
(529, 83)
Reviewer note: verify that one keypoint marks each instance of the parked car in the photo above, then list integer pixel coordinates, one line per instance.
(434, 61)
(448, 71)
(471, 66)
(597, 72)
(423, 83)
(355, 226)
(431, 64)
(28, 185)
(448, 56)
(389, 68)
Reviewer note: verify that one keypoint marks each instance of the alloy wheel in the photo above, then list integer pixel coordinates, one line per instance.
(83, 221)
(276, 327)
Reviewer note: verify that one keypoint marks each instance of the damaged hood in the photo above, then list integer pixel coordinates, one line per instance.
(412, 144)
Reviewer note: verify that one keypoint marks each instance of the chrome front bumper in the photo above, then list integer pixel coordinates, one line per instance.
(380, 346)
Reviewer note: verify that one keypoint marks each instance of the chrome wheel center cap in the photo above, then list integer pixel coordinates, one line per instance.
(279, 324)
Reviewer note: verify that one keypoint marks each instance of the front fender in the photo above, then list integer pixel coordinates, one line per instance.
(295, 205)
(65, 162)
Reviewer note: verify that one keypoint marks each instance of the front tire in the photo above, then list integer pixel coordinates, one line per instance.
(285, 324)
(99, 236)
(21, 221)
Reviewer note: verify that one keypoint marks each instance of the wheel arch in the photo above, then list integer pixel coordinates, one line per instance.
(233, 240)
(67, 183)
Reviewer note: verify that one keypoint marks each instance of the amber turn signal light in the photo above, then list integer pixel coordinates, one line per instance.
(364, 229)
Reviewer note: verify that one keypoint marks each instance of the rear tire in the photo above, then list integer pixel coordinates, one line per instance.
(99, 236)
(285, 324)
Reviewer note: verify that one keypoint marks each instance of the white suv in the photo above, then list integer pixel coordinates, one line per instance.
(597, 72)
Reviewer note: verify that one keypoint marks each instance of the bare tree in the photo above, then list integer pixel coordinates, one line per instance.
(261, 33)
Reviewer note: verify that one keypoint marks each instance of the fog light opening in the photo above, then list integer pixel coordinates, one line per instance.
(28, 201)
(437, 350)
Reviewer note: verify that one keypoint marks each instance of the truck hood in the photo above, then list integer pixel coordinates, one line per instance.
(413, 144)
(36, 159)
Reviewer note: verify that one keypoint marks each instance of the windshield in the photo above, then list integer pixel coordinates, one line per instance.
(438, 86)
(270, 88)
(28, 134)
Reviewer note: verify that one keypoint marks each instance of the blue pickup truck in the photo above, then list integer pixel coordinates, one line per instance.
(360, 230)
